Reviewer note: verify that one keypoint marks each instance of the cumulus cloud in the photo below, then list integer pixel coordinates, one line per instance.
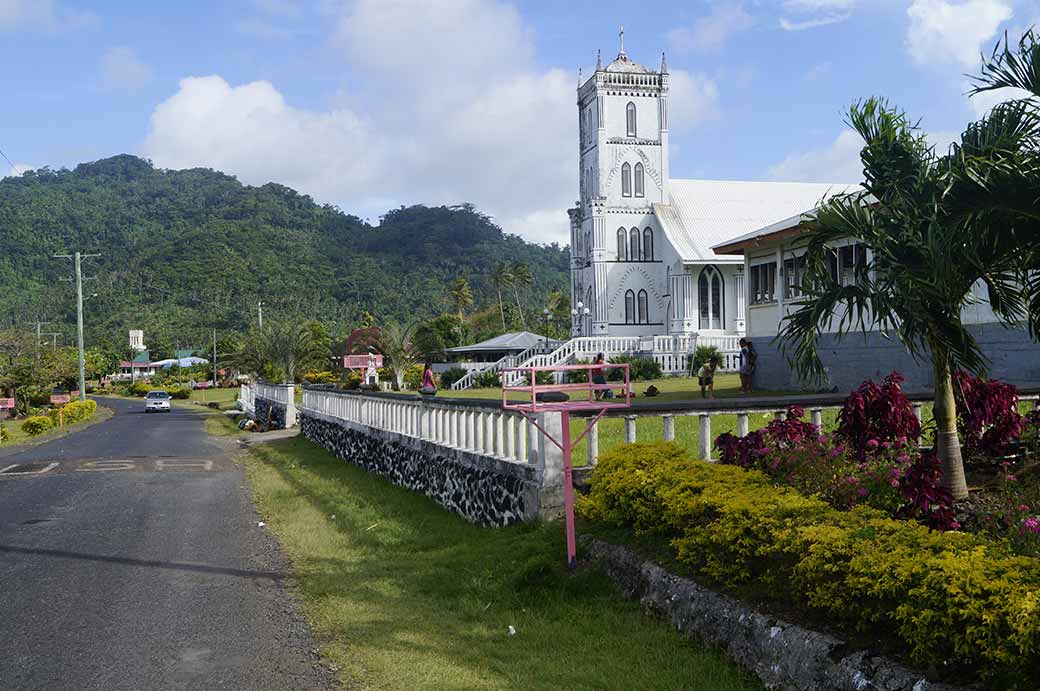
(713, 30)
(693, 98)
(944, 30)
(16, 170)
(983, 102)
(809, 14)
(120, 67)
(250, 131)
(836, 162)
(46, 15)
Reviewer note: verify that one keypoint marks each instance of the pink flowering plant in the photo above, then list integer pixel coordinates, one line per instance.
(877, 413)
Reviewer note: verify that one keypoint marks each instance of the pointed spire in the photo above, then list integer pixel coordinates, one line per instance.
(664, 64)
(621, 41)
(579, 76)
(599, 61)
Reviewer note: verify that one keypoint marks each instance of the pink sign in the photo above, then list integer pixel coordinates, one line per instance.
(58, 399)
(6, 403)
(75, 394)
(202, 385)
(362, 361)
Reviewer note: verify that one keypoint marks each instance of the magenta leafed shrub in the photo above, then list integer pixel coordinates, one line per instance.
(926, 499)
(987, 415)
(879, 413)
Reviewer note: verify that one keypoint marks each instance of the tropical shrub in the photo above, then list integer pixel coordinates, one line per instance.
(139, 388)
(323, 377)
(953, 600)
(579, 376)
(488, 379)
(79, 410)
(451, 375)
(37, 424)
(181, 393)
(542, 378)
(4, 434)
(703, 354)
(880, 413)
(639, 368)
(413, 377)
(988, 420)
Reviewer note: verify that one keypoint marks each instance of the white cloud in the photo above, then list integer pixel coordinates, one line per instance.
(16, 170)
(120, 67)
(837, 162)
(693, 98)
(983, 102)
(251, 132)
(258, 28)
(818, 5)
(944, 30)
(791, 25)
(712, 31)
(46, 15)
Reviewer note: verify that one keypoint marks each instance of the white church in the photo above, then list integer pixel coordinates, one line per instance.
(642, 263)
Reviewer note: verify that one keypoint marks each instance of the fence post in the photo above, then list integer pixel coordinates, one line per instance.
(704, 429)
(592, 445)
(668, 421)
(780, 415)
(290, 406)
(817, 418)
(630, 429)
(742, 424)
(918, 413)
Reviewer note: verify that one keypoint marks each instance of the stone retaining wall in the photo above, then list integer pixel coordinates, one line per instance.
(485, 490)
(782, 655)
(270, 413)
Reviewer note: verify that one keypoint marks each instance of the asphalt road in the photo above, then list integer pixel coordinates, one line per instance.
(131, 558)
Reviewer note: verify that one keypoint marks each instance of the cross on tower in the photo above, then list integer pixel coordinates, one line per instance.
(621, 41)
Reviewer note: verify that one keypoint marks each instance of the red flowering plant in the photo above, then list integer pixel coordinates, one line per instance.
(987, 415)
(881, 413)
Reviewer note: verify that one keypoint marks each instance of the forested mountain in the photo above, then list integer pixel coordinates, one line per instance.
(186, 251)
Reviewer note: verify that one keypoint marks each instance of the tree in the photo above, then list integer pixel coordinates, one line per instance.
(522, 278)
(462, 298)
(936, 226)
(282, 351)
(502, 277)
(399, 352)
(100, 362)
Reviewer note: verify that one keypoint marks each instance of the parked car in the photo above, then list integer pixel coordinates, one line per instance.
(157, 401)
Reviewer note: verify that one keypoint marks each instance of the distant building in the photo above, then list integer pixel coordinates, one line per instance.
(141, 367)
(137, 340)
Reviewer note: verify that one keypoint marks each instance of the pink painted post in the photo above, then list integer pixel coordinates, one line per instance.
(568, 490)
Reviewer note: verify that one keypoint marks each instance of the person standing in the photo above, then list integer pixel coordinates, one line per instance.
(747, 364)
(429, 384)
(706, 377)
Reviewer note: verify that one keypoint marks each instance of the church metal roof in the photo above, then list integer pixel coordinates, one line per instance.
(623, 64)
(704, 213)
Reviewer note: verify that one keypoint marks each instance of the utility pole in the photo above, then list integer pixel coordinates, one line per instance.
(260, 312)
(214, 358)
(39, 334)
(77, 259)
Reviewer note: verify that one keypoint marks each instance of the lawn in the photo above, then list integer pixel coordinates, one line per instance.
(404, 595)
(17, 437)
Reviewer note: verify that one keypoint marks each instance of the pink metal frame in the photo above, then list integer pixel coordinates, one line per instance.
(587, 403)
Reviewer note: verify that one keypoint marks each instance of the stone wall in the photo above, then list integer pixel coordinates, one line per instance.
(485, 490)
(271, 413)
(781, 654)
(1014, 358)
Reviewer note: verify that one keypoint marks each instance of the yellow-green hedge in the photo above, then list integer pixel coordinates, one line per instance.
(954, 600)
(74, 412)
(37, 424)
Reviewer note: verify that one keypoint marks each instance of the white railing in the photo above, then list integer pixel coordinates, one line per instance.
(279, 393)
(471, 377)
(465, 426)
(247, 398)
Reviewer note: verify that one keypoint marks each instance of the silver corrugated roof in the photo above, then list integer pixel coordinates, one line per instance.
(520, 340)
(705, 213)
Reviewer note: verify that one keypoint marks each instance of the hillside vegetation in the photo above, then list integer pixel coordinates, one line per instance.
(186, 251)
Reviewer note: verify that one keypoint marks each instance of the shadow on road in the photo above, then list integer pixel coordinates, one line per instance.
(155, 564)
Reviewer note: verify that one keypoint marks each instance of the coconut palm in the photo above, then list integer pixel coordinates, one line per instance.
(399, 353)
(522, 278)
(502, 277)
(284, 349)
(462, 297)
(937, 227)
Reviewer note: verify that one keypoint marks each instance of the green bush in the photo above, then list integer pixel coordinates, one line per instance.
(180, 393)
(78, 411)
(488, 379)
(351, 380)
(139, 388)
(450, 376)
(702, 355)
(413, 377)
(324, 377)
(639, 368)
(37, 424)
(954, 600)
(4, 434)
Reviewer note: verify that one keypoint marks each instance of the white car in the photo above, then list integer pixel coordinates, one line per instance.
(157, 401)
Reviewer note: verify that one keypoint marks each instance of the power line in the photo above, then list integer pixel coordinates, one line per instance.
(7, 159)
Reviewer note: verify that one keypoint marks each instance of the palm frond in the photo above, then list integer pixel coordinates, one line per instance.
(1010, 67)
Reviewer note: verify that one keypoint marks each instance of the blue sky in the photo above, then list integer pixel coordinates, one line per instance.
(373, 103)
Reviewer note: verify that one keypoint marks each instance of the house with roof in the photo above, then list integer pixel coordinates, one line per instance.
(641, 241)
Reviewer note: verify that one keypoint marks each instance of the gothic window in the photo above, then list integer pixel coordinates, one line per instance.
(626, 180)
(639, 179)
(644, 312)
(630, 307)
(633, 245)
(710, 298)
(648, 245)
(622, 245)
(630, 119)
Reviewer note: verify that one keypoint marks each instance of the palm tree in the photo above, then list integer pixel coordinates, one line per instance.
(286, 348)
(522, 278)
(502, 277)
(937, 226)
(462, 297)
(399, 353)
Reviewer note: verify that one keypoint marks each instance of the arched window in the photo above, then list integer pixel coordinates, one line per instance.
(626, 180)
(643, 306)
(648, 245)
(710, 298)
(622, 245)
(639, 179)
(630, 119)
(630, 307)
(633, 245)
